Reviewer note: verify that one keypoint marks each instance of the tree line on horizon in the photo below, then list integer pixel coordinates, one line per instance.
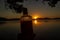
(12, 19)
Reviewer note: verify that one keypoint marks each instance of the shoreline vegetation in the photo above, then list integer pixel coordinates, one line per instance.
(16, 19)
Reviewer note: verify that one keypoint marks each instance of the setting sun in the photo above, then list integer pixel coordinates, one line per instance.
(35, 17)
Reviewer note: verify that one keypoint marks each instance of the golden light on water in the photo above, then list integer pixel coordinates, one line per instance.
(35, 21)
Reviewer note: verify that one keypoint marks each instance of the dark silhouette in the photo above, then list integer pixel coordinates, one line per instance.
(16, 19)
(26, 27)
(48, 18)
(13, 4)
(6, 19)
(13, 19)
(26, 20)
(3, 19)
(52, 3)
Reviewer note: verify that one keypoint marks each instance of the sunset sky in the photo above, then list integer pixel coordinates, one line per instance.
(34, 8)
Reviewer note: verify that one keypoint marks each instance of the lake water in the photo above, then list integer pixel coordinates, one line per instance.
(43, 29)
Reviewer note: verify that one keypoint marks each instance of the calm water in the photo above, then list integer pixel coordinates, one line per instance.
(42, 29)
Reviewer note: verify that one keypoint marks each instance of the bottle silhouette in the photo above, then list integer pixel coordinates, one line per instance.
(26, 27)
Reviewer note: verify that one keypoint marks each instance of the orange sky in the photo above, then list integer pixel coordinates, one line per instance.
(34, 9)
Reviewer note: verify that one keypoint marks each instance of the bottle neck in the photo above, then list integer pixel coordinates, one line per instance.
(25, 12)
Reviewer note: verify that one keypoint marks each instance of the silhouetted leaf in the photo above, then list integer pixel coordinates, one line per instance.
(52, 3)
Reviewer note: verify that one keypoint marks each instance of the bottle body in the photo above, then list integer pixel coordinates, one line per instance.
(26, 25)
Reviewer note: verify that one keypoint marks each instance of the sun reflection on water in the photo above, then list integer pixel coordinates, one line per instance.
(36, 22)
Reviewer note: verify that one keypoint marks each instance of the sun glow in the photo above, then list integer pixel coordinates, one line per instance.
(35, 17)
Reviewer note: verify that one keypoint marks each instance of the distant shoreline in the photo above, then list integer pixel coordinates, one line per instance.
(16, 19)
